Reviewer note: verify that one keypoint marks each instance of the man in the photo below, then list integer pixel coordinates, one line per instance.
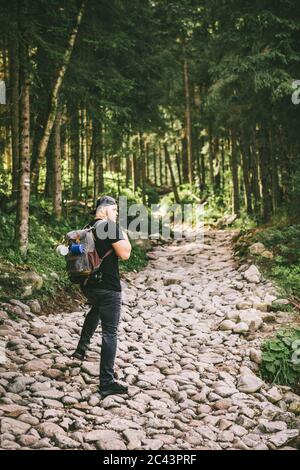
(105, 295)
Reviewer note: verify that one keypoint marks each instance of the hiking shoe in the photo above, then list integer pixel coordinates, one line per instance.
(78, 354)
(114, 388)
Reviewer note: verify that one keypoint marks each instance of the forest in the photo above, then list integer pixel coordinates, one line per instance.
(193, 101)
(162, 102)
(147, 98)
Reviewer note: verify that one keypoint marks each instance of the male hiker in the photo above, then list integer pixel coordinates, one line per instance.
(105, 295)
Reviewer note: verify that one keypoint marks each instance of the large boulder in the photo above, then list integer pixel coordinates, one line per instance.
(257, 248)
(248, 382)
(252, 274)
(251, 317)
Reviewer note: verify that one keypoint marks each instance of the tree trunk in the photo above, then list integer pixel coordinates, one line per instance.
(177, 157)
(48, 190)
(147, 161)
(142, 166)
(173, 181)
(188, 119)
(42, 147)
(22, 219)
(57, 177)
(211, 159)
(134, 165)
(223, 165)
(203, 172)
(14, 99)
(255, 177)
(185, 166)
(128, 161)
(82, 147)
(100, 160)
(160, 166)
(245, 153)
(264, 165)
(274, 171)
(235, 174)
(88, 150)
(75, 153)
(155, 166)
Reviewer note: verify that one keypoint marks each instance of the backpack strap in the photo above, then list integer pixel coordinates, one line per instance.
(106, 254)
(96, 238)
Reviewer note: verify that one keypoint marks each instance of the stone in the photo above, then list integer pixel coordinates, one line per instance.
(152, 378)
(27, 418)
(152, 444)
(13, 410)
(240, 328)
(33, 279)
(273, 395)
(252, 274)
(18, 385)
(222, 404)
(281, 438)
(37, 365)
(182, 303)
(49, 429)
(244, 305)
(274, 426)
(35, 306)
(257, 248)
(256, 356)
(267, 254)
(134, 438)
(14, 426)
(106, 440)
(20, 304)
(224, 390)
(249, 383)
(295, 407)
(52, 394)
(211, 358)
(227, 325)
(91, 368)
(65, 442)
(27, 440)
(249, 317)
(120, 424)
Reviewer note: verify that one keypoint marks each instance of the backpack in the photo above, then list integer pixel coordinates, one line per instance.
(83, 261)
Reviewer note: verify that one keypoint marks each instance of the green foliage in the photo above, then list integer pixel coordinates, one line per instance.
(284, 242)
(151, 194)
(277, 365)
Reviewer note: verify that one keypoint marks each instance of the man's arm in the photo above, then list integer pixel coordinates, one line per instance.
(122, 247)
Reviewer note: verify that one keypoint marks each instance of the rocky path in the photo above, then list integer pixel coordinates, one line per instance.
(189, 342)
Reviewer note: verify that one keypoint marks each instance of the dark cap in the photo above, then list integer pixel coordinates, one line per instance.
(104, 201)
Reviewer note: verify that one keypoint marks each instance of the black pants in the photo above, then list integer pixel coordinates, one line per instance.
(106, 307)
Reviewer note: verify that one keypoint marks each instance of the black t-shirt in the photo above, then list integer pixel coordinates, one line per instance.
(109, 232)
